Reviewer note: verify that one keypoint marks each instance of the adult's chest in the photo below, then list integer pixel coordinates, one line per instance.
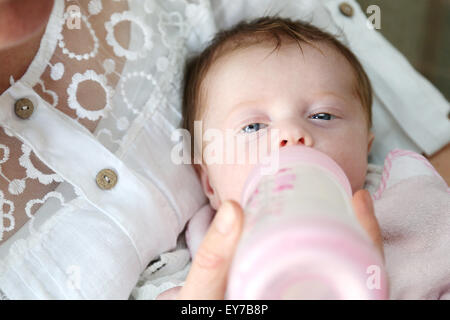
(78, 88)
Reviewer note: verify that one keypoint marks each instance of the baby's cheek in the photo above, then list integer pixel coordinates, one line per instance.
(356, 175)
(231, 180)
(352, 158)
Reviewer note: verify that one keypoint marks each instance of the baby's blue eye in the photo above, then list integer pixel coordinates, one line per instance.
(327, 116)
(252, 127)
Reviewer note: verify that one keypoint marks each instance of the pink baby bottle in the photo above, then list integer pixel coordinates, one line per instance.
(301, 237)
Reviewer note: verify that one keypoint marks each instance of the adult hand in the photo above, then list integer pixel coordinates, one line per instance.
(207, 278)
(365, 213)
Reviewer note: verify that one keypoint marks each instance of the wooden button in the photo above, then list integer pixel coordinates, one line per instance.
(24, 108)
(106, 179)
(346, 9)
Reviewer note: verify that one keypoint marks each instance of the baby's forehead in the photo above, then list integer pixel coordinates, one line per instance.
(253, 66)
(268, 48)
(318, 53)
(330, 80)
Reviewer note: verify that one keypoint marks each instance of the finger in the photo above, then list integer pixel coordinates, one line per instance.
(207, 277)
(364, 209)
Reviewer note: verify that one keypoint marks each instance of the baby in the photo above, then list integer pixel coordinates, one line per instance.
(274, 74)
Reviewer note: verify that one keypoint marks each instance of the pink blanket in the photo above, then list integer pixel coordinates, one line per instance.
(412, 205)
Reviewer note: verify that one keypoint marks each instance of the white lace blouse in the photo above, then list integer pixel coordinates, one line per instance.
(105, 95)
(89, 194)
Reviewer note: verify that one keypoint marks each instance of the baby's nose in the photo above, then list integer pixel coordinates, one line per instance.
(292, 135)
(286, 142)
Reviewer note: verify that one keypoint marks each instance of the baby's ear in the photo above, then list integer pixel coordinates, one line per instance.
(202, 172)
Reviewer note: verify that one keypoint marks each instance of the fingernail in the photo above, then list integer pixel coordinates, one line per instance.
(225, 218)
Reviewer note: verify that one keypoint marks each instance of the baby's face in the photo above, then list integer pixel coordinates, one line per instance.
(309, 98)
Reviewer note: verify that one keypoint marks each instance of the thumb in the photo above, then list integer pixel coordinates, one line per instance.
(207, 278)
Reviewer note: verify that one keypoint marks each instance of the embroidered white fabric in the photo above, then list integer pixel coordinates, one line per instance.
(106, 95)
(106, 87)
(373, 177)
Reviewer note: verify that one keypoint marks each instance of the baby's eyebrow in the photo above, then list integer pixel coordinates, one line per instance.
(245, 103)
(341, 101)
(332, 94)
(257, 103)
(238, 107)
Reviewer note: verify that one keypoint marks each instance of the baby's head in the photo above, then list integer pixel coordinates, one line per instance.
(275, 73)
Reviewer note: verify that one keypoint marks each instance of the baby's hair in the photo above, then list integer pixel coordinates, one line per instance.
(260, 31)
